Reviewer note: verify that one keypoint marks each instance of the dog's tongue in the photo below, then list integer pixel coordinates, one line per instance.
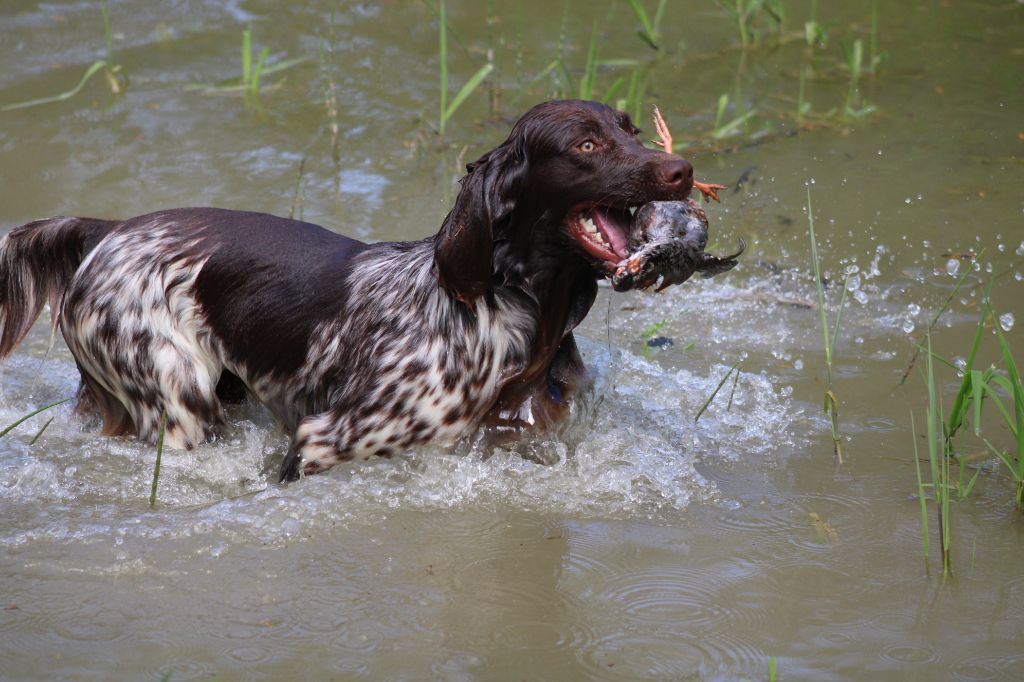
(614, 227)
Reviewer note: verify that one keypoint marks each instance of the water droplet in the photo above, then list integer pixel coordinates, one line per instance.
(1017, 276)
(798, 364)
(1002, 248)
(913, 309)
(1020, 249)
(960, 364)
(1006, 321)
(853, 284)
(908, 325)
(812, 181)
(952, 266)
(860, 296)
(907, 200)
(920, 197)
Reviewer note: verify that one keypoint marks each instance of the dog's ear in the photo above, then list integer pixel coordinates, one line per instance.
(464, 248)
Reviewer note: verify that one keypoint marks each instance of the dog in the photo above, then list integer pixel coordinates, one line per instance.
(357, 349)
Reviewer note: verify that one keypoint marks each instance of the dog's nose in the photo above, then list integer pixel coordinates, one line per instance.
(677, 173)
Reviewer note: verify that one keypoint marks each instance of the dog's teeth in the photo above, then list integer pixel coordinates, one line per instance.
(589, 226)
(633, 210)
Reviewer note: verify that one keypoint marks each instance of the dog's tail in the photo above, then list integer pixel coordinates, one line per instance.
(37, 262)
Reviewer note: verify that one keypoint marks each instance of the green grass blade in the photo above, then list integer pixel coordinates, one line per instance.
(732, 393)
(970, 484)
(920, 488)
(443, 48)
(839, 313)
(257, 72)
(90, 72)
(282, 65)
(1005, 459)
(977, 396)
(31, 414)
(935, 321)
(649, 34)
(732, 126)
(468, 89)
(246, 55)
(39, 433)
(159, 453)
(586, 90)
(718, 388)
(613, 90)
(817, 279)
(997, 400)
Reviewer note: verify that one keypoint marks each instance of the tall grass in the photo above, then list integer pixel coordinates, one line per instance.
(746, 14)
(159, 454)
(447, 109)
(831, 402)
(1003, 389)
(111, 70)
(650, 31)
(938, 460)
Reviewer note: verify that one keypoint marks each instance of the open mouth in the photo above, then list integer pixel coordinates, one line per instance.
(602, 231)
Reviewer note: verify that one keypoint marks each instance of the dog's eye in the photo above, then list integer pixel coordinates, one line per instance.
(587, 146)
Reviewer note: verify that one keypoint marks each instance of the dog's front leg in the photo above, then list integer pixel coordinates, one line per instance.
(318, 444)
(328, 438)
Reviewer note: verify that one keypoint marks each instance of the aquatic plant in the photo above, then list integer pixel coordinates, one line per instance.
(854, 57)
(20, 420)
(746, 13)
(650, 32)
(938, 464)
(113, 72)
(831, 402)
(1002, 389)
(814, 33)
(734, 372)
(159, 453)
(447, 110)
(252, 73)
(731, 127)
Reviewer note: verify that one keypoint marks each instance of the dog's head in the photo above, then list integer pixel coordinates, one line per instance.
(568, 177)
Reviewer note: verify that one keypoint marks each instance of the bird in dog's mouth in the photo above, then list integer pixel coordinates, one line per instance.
(658, 244)
(666, 243)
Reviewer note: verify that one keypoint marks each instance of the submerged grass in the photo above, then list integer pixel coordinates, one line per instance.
(734, 372)
(831, 402)
(253, 73)
(112, 71)
(18, 422)
(159, 454)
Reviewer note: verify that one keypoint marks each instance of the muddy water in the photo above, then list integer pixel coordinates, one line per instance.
(648, 546)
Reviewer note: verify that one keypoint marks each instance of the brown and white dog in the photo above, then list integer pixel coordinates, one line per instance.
(357, 349)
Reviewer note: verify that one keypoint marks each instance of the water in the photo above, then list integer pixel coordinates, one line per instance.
(639, 543)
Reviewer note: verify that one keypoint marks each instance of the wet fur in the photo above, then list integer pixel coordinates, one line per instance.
(357, 349)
